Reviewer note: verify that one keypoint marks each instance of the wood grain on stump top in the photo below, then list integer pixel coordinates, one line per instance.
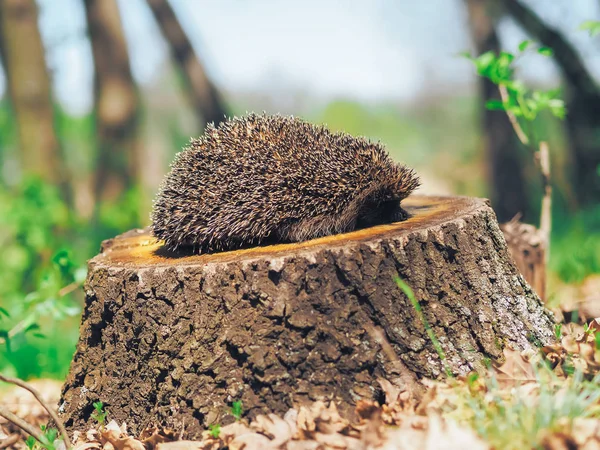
(174, 339)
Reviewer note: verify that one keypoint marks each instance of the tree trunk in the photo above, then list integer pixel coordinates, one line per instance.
(174, 339)
(30, 91)
(202, 92)
(582, 101)
(508, 194)
(117, 104)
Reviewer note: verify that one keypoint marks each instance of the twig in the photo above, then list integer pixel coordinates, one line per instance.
(9, 441)
(513, 119)
(42, 402)
(69, 288)
(26, 427)
(407, 377)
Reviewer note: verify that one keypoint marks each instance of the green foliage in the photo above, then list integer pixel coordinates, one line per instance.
(50, 436)
(558, 330)
(523, 102)
(593, 26)
(99, 414)
(236, 409)
(43, 247)
(215, 430)
(576, 245)
(521, 419)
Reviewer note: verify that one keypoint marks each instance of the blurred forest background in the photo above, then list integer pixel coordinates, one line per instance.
(97, 96)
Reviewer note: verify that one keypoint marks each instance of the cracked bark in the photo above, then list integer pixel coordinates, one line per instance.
(174, 339)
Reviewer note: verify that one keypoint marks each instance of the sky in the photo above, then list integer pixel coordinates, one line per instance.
(368, 50)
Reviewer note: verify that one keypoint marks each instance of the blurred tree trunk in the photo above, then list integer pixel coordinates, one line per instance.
(116, 101)
(582, 97)
(30, 91)
(509, 193)
(204, 95)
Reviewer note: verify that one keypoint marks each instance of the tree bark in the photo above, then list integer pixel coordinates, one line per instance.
(116, 101)
(582, 101)
(508, 194)
(202, 92)
(174, 338)
(30, 91)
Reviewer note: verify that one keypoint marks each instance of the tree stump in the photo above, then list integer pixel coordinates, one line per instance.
(174, 339)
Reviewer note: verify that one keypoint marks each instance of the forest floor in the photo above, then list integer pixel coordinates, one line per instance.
(548, 399)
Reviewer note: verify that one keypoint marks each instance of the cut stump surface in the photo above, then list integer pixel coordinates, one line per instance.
(174, 339)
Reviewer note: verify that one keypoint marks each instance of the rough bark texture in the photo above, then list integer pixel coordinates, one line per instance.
(582, 95)
(174, 339)
(29, 89)
(508, 192)
(117, 103)
(202, 92)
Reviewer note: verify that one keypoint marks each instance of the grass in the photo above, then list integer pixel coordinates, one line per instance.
(521, 417)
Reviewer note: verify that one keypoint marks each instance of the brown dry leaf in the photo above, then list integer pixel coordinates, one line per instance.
(303, 445)
(227, 434)
(516, 369)
(392, 393)
(152, 436)
(433, 433)
(86, 445)
(251, 441)
(276, 429)
(371, 427)
(338, 441)
(181, 445)
(319, 418)
(583, 433)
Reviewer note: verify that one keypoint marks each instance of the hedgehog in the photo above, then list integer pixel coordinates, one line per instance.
(263, 179)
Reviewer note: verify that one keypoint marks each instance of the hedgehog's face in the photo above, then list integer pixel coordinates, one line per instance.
(380, 212)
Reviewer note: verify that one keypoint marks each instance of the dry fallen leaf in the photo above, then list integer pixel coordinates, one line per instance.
(516, 370)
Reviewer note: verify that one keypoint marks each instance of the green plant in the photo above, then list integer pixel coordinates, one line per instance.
(522, 106)
(417, 306)
(100, 414)
(593, 26)
(48, 438)
(215, 430)
(236, 409)
(519, 418)
(558, 330)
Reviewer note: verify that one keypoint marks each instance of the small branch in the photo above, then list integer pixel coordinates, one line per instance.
(42, 402)
(513, 119)
(11, 440)
(69, 288)
(407, 377)
(26, 427)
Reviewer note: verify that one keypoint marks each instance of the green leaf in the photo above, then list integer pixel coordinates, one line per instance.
(466, 54)
(593, 26)
(236, 409)
(30, 442)
(523, 45)
(495, 105)
(516, 110)
(31, 327)
(484, 62)
(4, 312)
(7, 340)
(215, 430)
(557, 108)
(545, 51)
